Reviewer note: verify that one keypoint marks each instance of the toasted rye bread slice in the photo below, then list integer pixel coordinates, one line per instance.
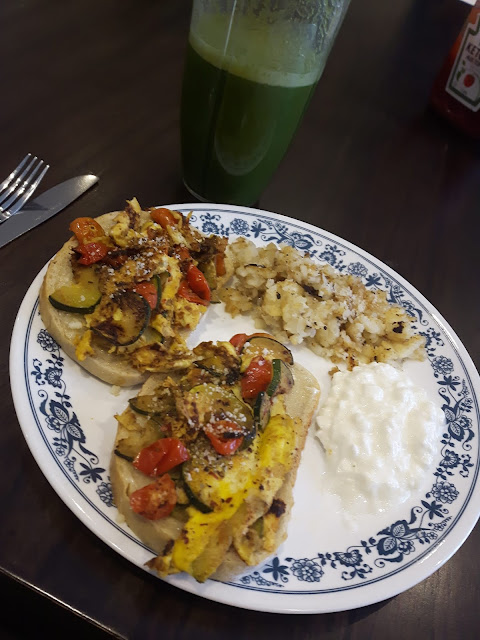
(67, 328)
(301, 403)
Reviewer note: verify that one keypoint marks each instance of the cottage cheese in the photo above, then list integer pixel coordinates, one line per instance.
(380, 433)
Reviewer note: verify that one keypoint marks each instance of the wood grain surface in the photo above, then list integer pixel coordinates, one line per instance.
(95, 87)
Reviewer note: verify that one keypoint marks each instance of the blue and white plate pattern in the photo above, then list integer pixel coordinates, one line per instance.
(330, 561)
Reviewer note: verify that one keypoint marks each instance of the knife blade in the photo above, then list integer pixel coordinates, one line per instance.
(45, 206)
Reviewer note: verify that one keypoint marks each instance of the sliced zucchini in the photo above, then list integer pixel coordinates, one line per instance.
(126, 317)
(282, 378)
(267, 347)
(203, 472)
(249, 437)
(179, 511)
(152, 335)
(119, 453)
(135, 436)
(196, 474)
(160, 281)
(210, 403)
(220, 360)
(201, 365)
(261, 410)
(80, 297)
(194, 500)
(228, 375)
(158, 404)
(257, 526)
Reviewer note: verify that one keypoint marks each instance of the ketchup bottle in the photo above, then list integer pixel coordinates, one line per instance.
(456, 91)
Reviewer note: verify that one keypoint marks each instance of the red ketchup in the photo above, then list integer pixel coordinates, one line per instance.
(456, 91)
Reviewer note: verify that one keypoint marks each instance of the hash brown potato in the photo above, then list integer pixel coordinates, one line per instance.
(334, 314)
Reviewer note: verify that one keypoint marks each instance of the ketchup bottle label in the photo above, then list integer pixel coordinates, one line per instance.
(464, 80)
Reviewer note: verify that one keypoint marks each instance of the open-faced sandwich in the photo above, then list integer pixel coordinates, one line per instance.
(205, 458)
(122, 293)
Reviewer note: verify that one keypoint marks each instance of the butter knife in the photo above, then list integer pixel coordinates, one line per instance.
(45, 206)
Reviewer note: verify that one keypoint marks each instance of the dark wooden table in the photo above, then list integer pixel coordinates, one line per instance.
(95, 87)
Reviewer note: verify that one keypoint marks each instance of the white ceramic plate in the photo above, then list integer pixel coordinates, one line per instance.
(330, 561)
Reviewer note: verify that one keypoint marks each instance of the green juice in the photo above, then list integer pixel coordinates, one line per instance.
(237, 119)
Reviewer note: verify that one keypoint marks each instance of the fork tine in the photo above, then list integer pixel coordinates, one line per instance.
(21, 185)
(14, 173)
(12, 188)
(21, 201)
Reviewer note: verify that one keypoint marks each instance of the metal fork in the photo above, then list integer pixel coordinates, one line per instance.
(18, 187)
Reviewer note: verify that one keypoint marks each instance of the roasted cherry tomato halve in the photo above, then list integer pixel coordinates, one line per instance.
(223, 436)
(256, 378)
(163, 217)
(238, 340)
(185, 291)
(155, 500)
(198, 283)
(86, 230)
(220, 264)
(181, 253)
(91, 252)
(149, 291)
(161, 456)
(224, 446)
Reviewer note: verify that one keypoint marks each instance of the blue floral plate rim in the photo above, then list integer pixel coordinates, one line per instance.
(52, 430)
